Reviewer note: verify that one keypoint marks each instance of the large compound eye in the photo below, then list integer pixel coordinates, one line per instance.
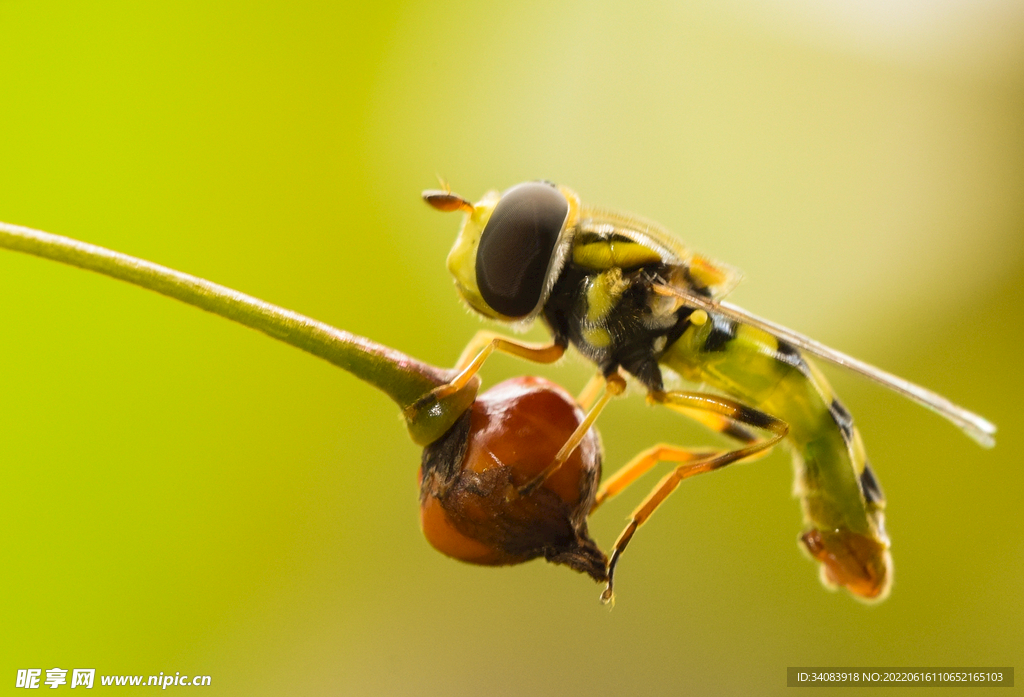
(516, 247)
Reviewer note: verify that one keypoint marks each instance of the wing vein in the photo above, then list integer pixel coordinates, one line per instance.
(975, 426)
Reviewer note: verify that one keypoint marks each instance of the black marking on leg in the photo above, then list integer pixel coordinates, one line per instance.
(737, 432)
(870, 487)
(755, 418)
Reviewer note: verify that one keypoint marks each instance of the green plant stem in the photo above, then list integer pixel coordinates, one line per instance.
(401, 377)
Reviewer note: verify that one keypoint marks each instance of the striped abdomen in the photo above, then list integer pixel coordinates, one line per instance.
(841, 499)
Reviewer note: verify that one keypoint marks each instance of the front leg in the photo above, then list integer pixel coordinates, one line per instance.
(486, 342)
(452, 395)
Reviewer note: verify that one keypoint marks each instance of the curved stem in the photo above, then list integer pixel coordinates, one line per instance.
(401, 377)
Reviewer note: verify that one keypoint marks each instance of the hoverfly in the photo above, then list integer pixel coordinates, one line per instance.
(631, 298)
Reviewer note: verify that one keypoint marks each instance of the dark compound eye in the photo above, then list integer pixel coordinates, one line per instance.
(516, 247)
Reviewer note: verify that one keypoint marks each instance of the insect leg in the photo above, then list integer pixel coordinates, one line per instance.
(472, 359)
(428, 416)
(694, 461)
(591, 391)
(614, 385)
(642, 463)
(663, 452)
(717, 422)
(484, 343)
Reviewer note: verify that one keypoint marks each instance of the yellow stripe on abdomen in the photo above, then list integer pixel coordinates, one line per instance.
(751, 366)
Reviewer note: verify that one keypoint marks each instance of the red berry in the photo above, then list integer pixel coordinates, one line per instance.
(471, 504)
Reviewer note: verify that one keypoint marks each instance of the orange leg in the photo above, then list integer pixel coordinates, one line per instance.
(476, 352)
(693, 462)
(484, 343)
(642, 464)
(591, 391)
(615, 385)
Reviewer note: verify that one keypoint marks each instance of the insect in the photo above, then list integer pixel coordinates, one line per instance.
(633, 299)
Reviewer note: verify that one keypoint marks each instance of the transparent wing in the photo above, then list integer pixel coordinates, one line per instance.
(978, 428)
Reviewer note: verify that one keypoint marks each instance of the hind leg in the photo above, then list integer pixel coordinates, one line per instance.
(710, 409)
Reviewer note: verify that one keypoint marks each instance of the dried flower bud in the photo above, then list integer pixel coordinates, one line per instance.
(471, 506)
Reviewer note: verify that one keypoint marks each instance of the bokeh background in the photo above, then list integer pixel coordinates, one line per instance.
(180, 494)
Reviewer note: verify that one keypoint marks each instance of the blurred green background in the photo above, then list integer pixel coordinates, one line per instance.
(184, 495)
